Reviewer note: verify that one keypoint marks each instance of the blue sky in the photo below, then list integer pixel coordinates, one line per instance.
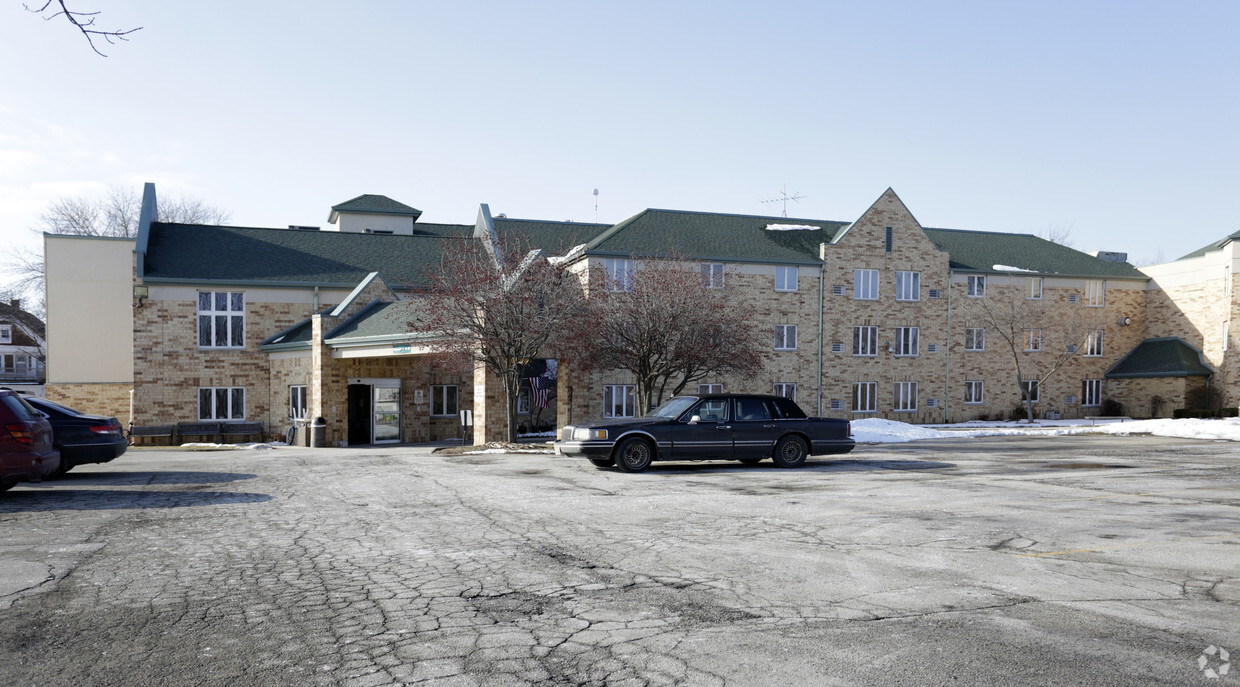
(1118, 120)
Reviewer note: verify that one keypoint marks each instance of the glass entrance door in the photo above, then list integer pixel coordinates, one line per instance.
(386, 413)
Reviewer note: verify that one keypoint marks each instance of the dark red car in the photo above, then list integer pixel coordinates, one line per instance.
(26, 451)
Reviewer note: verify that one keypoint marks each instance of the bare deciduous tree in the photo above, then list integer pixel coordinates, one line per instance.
(84, 21)
(665, 325)
(500, 315)
(1039, 347)
(1058, 233)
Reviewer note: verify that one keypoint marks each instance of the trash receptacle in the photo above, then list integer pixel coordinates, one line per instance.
(318, 432)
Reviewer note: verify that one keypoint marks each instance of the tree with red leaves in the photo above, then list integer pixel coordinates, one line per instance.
(670, 325)
(499, 308)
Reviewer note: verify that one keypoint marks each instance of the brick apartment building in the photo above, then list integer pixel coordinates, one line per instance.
(869, 318)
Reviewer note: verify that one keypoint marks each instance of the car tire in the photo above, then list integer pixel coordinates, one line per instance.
(602, 462)
(634, 455)
(790, 452)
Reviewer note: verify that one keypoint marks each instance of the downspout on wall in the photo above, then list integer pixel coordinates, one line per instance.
(822, 279)
(947, 359)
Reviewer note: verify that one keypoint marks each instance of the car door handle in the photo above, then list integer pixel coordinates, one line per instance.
(768, 426)
(724, 427)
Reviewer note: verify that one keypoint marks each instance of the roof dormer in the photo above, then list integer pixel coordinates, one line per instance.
(373, 214)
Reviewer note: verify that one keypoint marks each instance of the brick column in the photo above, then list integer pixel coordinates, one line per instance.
(490, 411)
(572, 394)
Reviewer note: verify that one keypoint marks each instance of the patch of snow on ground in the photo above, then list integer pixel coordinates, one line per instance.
(879, 431)
(244, 447)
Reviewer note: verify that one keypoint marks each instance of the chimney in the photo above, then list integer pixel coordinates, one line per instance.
(16, 303)
(1111, 256)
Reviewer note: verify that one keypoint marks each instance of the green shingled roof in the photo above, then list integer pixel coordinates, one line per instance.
(192, 252)
(982, 250)
(554, 238)
(374, 204)
(297, 336)
(1217, 245)
(378, 322)
(1162, 357)
(698, 235)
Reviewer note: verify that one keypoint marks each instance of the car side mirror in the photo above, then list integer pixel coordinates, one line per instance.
(695, 419)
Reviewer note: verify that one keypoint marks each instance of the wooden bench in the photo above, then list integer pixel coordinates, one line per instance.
(241, 429)
(197, 429)
(150, 431)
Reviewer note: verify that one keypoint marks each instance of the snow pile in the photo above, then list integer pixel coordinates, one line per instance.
(879, 431)
(1009, 268)
(1227, 429)
(243, 447)
(791, 227)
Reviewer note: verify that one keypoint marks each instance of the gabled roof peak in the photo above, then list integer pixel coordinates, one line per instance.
(373, 204)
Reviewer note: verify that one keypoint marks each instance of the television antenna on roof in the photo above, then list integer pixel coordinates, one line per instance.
(783, 199)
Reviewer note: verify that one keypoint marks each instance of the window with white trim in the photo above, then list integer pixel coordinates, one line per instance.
(712, 275)
(221, 403)
(975, 339)
(1033, 340)
(619, 400)
(297, 401)
(908, 286)
(786, 389)
(704, 389)
(865, 340)
(1029, 390)
(619, 274)
(906, 397)
(1035, 289)
(865, 285)
(6, 333)
(1091, 392)
(973, 391)
(786, 278)
(977, 285)
(1093, 344)
(864, 397)
(1095, 293)
(523, 400)
(785, 337)
(444, 400)
(907, 341)
(221, 319)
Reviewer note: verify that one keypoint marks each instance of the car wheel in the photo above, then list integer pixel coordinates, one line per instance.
(634, 455)
(790, 452)
(750, 461)
(602, 462)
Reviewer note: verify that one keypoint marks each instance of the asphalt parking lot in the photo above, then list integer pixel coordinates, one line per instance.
(1016, 561)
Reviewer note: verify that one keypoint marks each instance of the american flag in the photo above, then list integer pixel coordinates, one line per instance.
(539, 391)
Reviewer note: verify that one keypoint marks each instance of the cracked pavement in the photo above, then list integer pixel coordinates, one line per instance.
(1067, 560)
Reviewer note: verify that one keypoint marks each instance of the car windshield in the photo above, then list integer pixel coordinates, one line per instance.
(673, 408)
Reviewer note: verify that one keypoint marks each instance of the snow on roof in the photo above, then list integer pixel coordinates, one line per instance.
(791, 227)
(1009, 268)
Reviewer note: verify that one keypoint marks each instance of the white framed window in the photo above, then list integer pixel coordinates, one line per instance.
(619, 274)
(908, 286)
(785, 278)
(6, 333)
(444, 400)
(619, 400)
(297, 407)
(977, 285)
(1091, 392)
(864, 398)
(1029, 390)
(1093, 344)
(785, 337)
(704, 389)
(523, 400)
(786, 389)
(712, 275)
(975, 339)
(907, 341)
(865, 341)
(221, 319)
(1095, 293)
(221, 403)
(1033, 340)
(974, 392)
(865, 285)
(906, 397)
(1035, 289)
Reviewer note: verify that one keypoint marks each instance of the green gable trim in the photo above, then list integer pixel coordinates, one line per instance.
(1168, 356)
(1216, 246)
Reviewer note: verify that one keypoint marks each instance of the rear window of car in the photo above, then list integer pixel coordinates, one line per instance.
(44, 404)
(21, 409)
(788, 409)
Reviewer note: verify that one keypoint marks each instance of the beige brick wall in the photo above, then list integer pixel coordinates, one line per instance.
(1153, 397)
(111, 400)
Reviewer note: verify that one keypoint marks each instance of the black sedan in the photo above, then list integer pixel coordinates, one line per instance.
(744, 427)
(79, 437)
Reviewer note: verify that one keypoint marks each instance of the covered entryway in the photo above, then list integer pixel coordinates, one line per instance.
(374, 411)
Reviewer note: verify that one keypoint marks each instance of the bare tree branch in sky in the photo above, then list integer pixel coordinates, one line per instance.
(84, 21)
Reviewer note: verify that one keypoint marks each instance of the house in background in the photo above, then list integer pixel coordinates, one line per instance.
(867, 318)
(23, 349)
